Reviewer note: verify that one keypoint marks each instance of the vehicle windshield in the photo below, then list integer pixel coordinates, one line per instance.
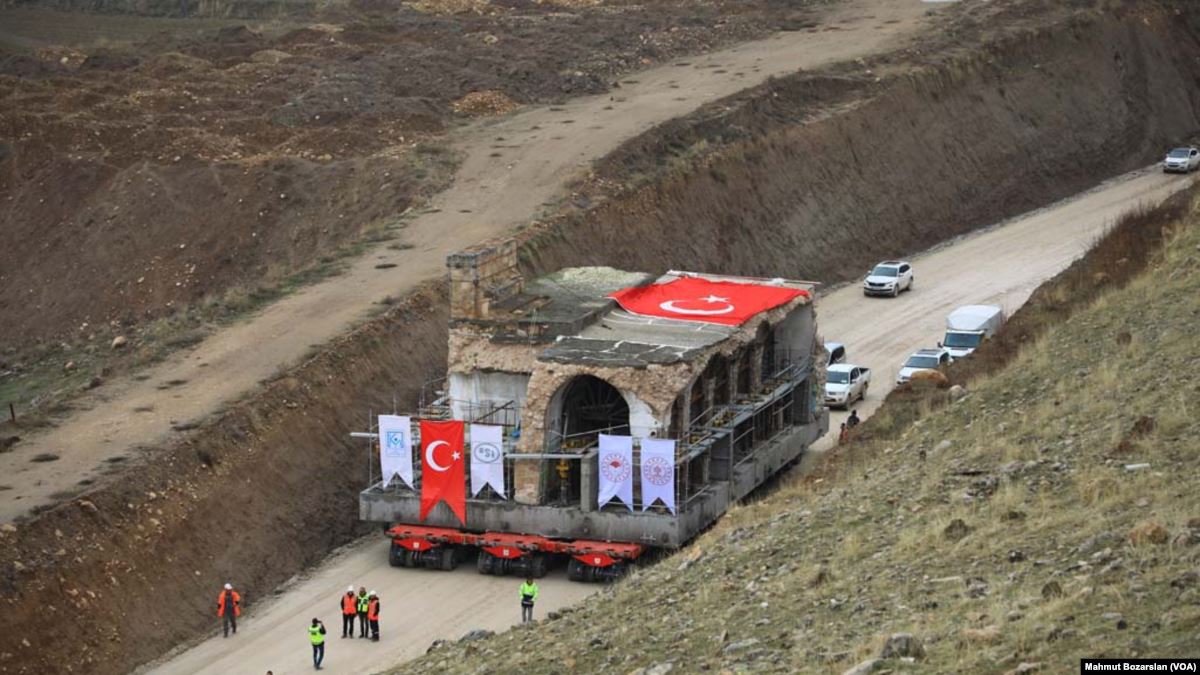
(882, 271)
(921, 362)
(969, 340)
(1179, 153)
(836, 377)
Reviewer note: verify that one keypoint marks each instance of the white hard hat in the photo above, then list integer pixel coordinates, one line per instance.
(350, 589)
(229, 587)
(372, 593)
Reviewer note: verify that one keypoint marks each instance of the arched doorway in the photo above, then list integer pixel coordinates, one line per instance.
(583, 408)
(591, 406)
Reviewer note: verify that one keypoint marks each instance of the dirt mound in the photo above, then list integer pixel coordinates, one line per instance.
(483, 103)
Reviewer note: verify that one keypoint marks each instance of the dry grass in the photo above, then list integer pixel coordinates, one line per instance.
(1013, 545)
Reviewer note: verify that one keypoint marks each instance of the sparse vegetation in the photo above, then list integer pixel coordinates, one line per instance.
(1022, 536)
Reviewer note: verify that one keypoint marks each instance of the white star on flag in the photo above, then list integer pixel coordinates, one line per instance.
(714, 298)
(455, 456)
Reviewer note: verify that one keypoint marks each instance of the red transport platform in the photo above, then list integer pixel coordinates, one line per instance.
(506, 553)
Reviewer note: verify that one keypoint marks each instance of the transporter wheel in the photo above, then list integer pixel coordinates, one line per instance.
(396, 555)
(448, 560)
(575, 570)
(485, 563)
(539, 565)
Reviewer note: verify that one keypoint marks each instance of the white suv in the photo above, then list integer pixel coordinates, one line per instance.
(923, 359)
(1182, 160)
(889, 278)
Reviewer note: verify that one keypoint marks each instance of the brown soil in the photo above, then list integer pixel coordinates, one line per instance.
(148, 178)
(819, 176)
(777, 197)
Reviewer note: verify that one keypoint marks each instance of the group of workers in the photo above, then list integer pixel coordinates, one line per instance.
(848, 427)
(363, 605)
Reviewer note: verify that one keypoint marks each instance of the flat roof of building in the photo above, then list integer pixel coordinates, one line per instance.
(618, 338)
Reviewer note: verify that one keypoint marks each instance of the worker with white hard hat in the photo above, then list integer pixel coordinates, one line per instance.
(348, 603)
(229, 608)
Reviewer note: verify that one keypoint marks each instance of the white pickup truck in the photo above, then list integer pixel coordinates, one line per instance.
(846, 383)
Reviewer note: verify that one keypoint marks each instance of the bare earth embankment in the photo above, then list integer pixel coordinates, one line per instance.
(796, 150)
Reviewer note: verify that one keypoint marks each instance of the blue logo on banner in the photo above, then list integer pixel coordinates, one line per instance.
(394, 443)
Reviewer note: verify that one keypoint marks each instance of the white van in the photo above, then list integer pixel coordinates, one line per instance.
(967, 327)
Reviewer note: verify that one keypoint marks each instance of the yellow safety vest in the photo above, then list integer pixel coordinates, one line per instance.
(314, 634)
(363, 602)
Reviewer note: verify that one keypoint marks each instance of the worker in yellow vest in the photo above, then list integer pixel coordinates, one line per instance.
(364, 601)
(316, 635)
(529, 593)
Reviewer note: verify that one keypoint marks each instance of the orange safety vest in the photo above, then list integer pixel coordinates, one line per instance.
(373, 610)
(349, 605)
(237, 599)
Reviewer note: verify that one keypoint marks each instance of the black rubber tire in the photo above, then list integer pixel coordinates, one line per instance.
(539, 565)
(448, 561)
(575, 570)
(485, 563)
(396, 555)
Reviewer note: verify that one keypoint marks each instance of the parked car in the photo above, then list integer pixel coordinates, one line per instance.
(968, 326)
(1181, 160)
(889, 278)
(837, 352)
(923, 359)
(846, 383)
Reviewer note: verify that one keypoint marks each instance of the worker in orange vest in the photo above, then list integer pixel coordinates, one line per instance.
(349, 611)
(229, 608)
(373, 615)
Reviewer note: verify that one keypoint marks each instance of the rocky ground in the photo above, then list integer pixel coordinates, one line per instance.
(1037, 515)
(152, 187)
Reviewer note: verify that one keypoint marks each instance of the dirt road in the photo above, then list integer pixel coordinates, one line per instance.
(512, 168)
(1002, 265)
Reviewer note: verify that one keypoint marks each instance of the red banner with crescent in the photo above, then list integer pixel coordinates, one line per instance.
(442, 474)
(696, 299)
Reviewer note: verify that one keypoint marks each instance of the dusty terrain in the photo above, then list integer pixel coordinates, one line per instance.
(1002, 265)
(960, 155)
(155, 184)
(510, 169)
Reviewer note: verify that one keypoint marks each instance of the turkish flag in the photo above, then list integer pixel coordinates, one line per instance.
(695, 299)
(442, 475)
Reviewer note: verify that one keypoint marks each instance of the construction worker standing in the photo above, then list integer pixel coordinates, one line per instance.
(373, 615)
(229, 608)
(316, 635)
(349, 606)
(529, 593)
(363, 602)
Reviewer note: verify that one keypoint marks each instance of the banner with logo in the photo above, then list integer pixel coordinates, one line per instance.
(395, 449)
(695, 299)
(487, 458)
(616, 469)
(658, 472)
(442, 475)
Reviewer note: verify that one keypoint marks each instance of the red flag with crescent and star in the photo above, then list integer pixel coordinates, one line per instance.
(696, 299)
(442, 473)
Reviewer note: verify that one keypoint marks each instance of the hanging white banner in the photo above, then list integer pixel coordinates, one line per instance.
(658, 472)
(395, 448)
(487, 458)
(616, 469)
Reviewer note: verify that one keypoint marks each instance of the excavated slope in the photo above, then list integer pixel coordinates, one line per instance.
(939, 145)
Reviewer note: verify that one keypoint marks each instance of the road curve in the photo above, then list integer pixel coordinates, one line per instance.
(513, 167)
(1002, 265)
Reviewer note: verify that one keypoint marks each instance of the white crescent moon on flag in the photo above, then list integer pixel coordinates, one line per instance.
(669, 306)
(429, 456)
